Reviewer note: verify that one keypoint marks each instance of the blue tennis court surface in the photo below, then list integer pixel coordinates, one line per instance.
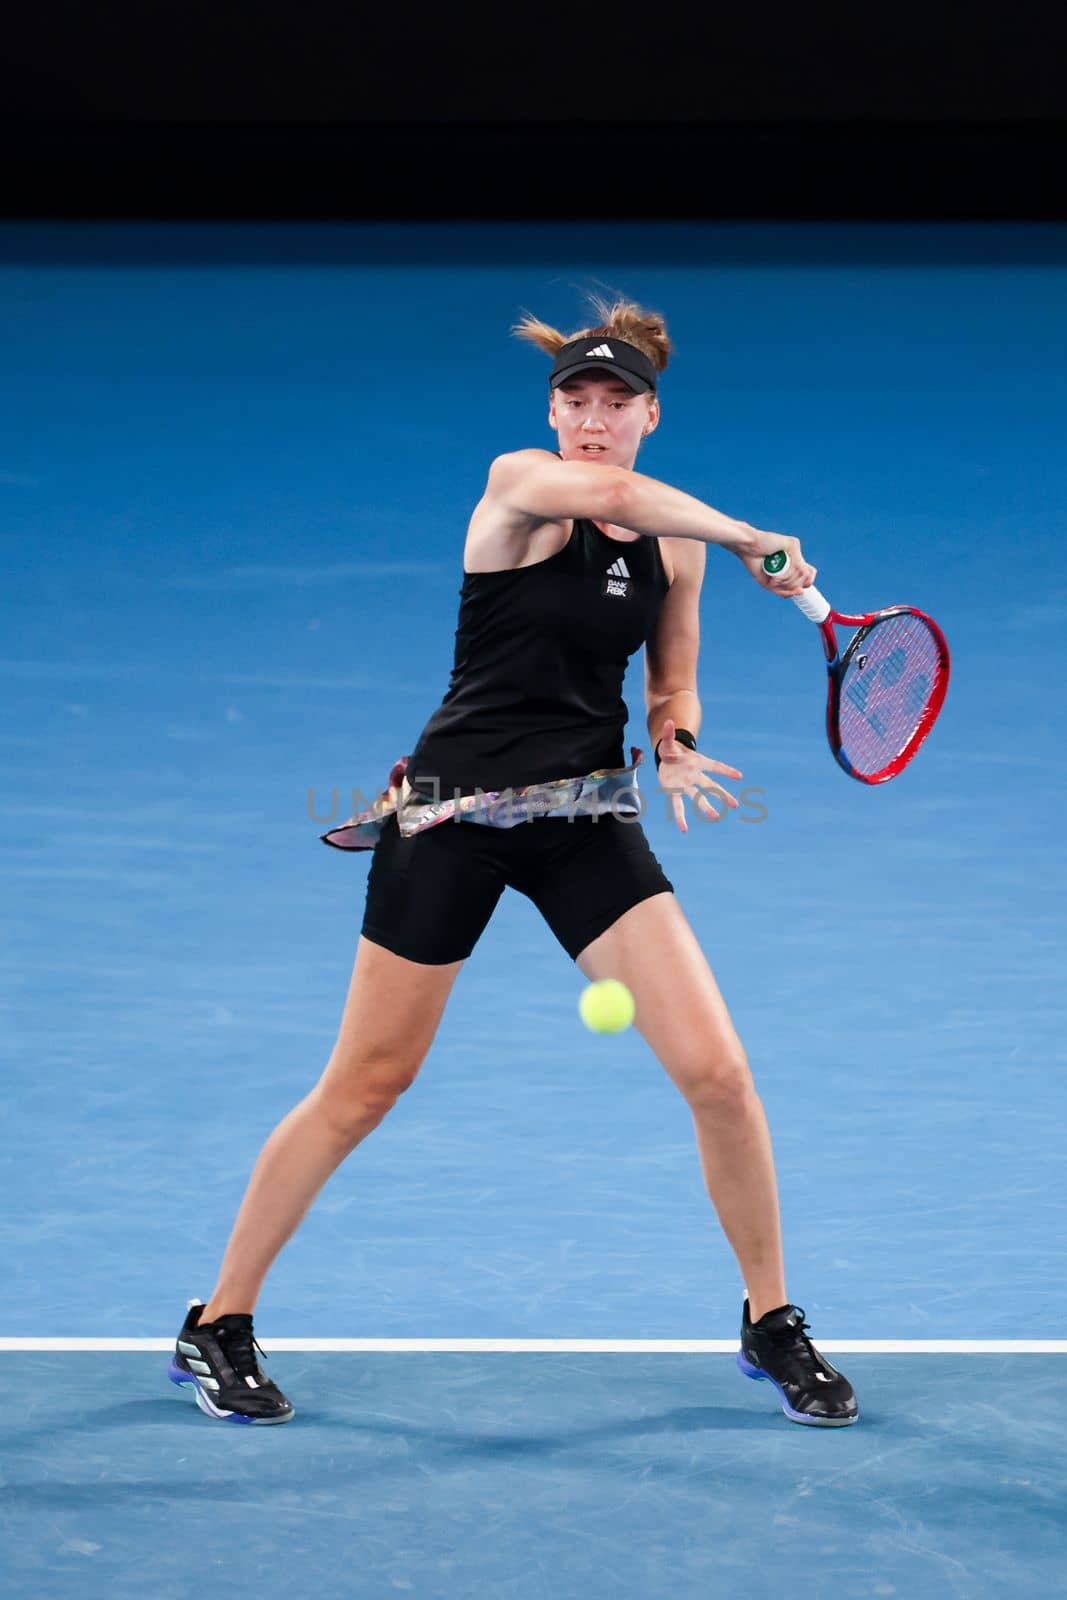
(465, 1475)
(235, 472)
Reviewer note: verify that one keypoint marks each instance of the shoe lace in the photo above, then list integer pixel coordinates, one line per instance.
(799, 1352)
(794, 1333)
(241, 1346)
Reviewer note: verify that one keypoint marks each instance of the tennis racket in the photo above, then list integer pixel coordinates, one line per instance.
(885, 687)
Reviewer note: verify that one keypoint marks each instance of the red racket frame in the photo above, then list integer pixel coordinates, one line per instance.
(836, 663)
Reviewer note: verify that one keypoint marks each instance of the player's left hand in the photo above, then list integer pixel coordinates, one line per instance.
(685, 772)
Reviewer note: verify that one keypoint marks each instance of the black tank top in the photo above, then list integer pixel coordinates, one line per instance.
(541, 651)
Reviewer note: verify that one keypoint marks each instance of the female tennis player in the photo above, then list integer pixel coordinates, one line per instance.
(572, 561)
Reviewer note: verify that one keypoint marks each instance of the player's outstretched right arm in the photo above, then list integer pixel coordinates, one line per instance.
(537, 486)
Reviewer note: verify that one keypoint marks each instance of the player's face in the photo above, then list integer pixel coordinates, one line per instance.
(598, 418)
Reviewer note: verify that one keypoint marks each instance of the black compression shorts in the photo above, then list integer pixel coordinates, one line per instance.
(430, 896)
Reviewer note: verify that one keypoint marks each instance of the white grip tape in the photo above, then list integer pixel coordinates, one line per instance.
(812, 603)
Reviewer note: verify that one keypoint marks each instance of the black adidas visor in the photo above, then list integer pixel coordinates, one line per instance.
(630, 365)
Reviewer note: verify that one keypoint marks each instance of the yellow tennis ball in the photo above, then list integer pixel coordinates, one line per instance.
(607, 1006)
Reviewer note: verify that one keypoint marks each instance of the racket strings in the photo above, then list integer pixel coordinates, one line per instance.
(889, 684)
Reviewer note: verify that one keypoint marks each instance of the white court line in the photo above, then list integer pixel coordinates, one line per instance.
(625, 1347)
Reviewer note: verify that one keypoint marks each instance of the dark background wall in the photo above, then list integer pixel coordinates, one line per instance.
(585, 109)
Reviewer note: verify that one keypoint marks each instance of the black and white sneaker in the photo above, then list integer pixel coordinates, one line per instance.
(218, 1359)
(812, 1391)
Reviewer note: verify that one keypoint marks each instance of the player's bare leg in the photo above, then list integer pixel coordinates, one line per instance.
(390, 1018)
(683, 1017)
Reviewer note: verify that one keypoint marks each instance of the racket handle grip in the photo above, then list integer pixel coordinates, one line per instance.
(809, 601)
(813, 605)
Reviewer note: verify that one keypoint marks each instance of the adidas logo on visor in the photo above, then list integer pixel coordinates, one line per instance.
(601, 350)
(618, 569)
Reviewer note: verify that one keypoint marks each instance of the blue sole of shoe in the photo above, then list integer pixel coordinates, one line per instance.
(187, 1380)
(760, 1376)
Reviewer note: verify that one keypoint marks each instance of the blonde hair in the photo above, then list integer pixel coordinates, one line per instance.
(619, 319)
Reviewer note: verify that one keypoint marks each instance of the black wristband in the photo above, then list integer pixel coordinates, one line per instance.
(683, 736)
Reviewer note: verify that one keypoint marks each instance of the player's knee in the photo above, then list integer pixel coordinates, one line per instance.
(357, 1098)
(720, 1079)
